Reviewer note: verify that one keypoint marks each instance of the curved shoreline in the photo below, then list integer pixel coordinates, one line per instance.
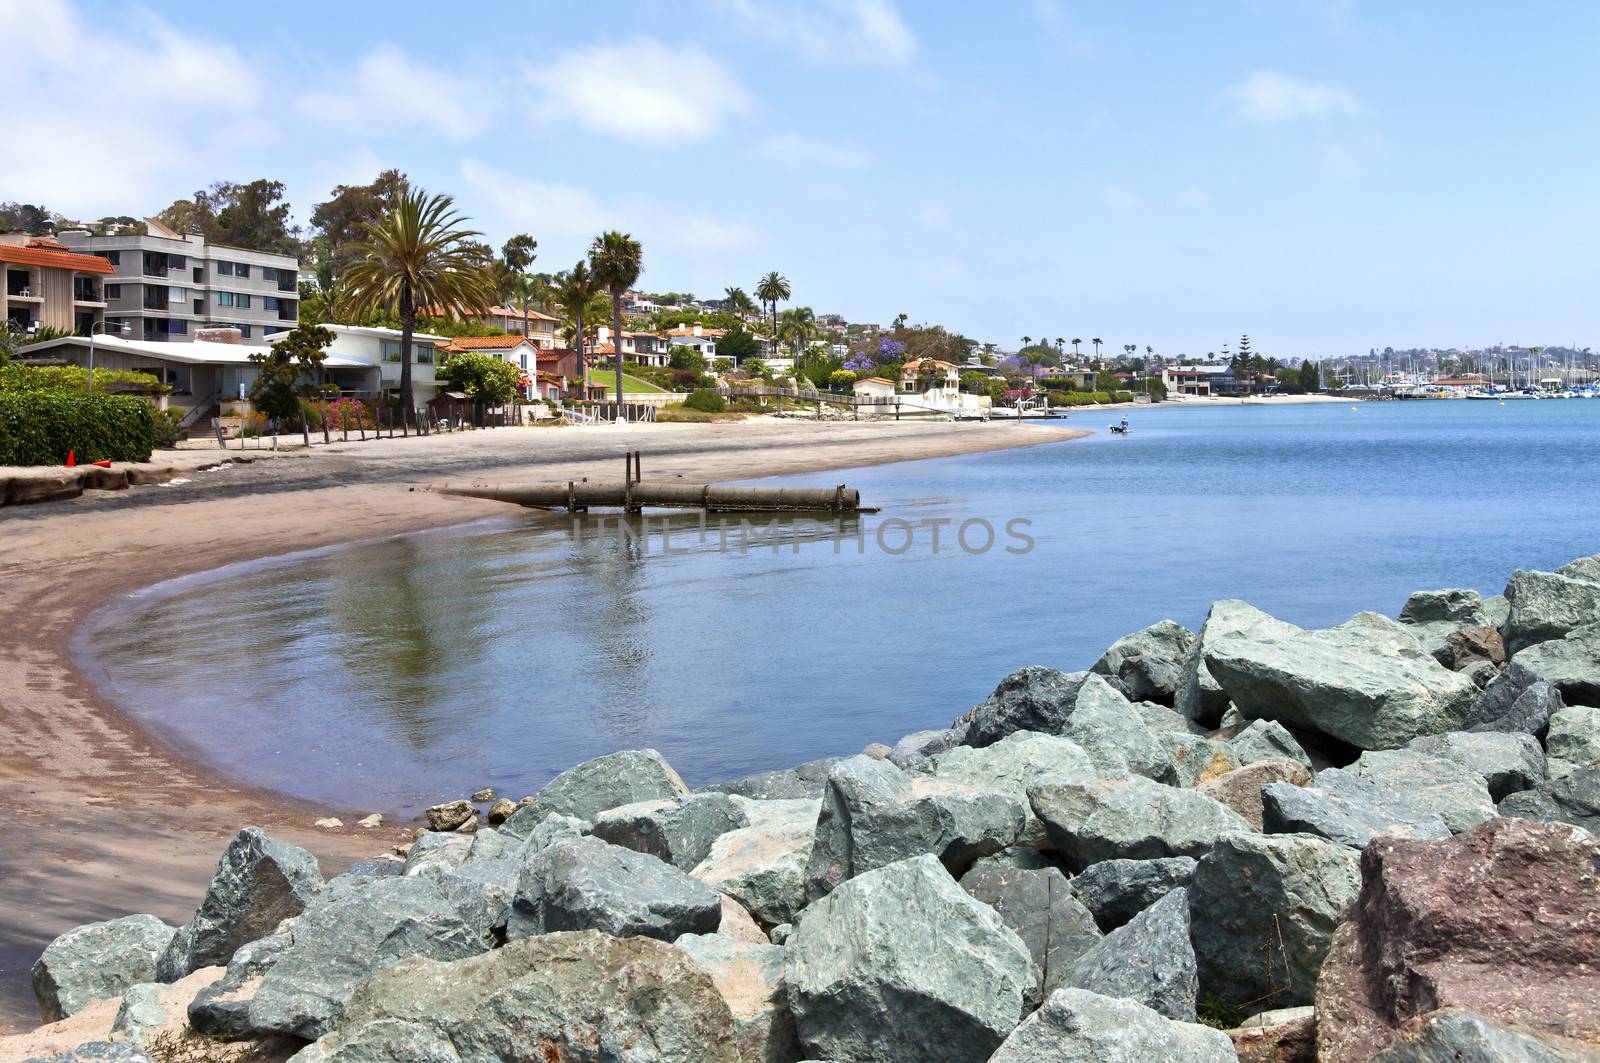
(110, 816)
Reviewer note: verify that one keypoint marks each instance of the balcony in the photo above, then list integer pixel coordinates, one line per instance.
(87, 292)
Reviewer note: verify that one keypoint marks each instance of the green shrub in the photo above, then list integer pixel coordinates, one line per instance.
(706, 402)
(39, 427)
(167, 428)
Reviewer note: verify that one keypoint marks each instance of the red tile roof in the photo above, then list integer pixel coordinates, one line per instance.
(484, 343)
(40, 256)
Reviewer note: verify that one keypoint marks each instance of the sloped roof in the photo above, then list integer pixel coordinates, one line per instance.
(485, 343)
(51, 259)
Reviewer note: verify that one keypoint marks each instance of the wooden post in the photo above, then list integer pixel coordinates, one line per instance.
(325, 438)
(305, 432)
(216, 426)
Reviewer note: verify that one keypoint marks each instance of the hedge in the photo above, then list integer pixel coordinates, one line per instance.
(706, 402)
(16, 377)
(39, 427)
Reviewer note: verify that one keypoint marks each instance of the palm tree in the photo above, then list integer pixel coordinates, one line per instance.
(525, 291)
(1026, 340)
(1060, 343)
(1096, 342)
(799, 328)
(615, 258)
(415, 255)
(773, 289)
(574, 293)
(739, 301)
(1075, 342)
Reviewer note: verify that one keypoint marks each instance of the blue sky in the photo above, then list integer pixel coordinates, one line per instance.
(1327, 176)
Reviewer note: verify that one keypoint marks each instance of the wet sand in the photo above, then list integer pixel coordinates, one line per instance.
(99, 820)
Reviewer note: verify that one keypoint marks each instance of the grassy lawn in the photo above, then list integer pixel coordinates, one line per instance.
(632, 385)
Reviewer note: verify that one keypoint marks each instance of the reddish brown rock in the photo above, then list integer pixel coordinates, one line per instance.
(1240, 789)
(1293, 1040)
(1503, 920)
(1471, 643)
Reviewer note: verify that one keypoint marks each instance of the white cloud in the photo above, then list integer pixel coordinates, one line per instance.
(1270, 97)
(397, 94)
(641, 89)
(561, 214)
(161, 84)
(863, 32)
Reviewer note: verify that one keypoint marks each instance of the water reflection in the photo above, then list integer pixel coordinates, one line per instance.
(398, 672)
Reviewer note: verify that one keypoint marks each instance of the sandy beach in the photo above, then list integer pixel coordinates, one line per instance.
(101, 821)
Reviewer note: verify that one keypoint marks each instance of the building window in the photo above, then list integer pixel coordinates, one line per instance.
(113, 291)
(224, 269)
(523, 360)
(113, 257)
(269, 274)
(421, 353)
(180, 327)
(241, 301)
(177, 295)
(269, 302)
(224, 298)
(176, 262)
(241, 270)
(244, 330)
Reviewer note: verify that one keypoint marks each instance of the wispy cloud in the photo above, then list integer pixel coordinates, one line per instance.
(1270, 97)
(861, 32)
(566, 214)
(390, 89)
(641, 89)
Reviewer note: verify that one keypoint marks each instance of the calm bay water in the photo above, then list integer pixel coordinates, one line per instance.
(392, 674)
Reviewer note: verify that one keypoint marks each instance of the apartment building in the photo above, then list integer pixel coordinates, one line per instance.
(166, 285)
(47, 286)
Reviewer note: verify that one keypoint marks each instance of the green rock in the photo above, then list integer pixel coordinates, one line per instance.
(1076, 1026)
(98, 960)
(1132, 818)
(1011, 765)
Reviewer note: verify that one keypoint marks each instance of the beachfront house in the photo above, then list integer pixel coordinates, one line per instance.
(539, 328)
(48, 286)
(934, 379)
(1201, 381)
(545, 374)
(639, 348)
(873, 387)
(697, 337)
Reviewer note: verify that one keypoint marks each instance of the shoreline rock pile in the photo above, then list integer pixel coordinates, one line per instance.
(1373, 842)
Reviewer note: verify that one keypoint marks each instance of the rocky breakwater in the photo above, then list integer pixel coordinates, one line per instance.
(1252, 841)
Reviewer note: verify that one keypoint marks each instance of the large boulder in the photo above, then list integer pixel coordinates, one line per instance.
(918, 746)
(98, 960)
(1240, 789)
(1113, 733)
(1193, 759)
(1455, 605)
(1453, 1035)
(874, 814)
(901, 963)
(1131, 818)
(1573, 798)
(1039, 906)
(1267, 740)
(1013, 764)
(1507, 761)
(763, 866)
(222, 1009)
(1574, 740)
(749, 976)
(1149, 959)
(351, 931)
(586, 997)
(1117, 890)
(1262, 911)
(1029, 699)
(590, 788)
(680, 831)
(1076, 1026)
(1199, 696)
(1570, 663)
(800, 783)
(1164, 638)
(1284, 1035)
(1517, 700)
(589, 884)
(1503, 921)
(443, 849)
(1547, 605)
(1151, 678)
(259, 882)
(1343, 807)
(1448, 788)
(1366, 682)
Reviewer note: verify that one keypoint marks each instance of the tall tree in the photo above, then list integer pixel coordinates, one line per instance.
(1075, 342)
(253, 215)
(616, 259)
(574, 293)
(518, 285)
(738, 301)
(417, 254)
(773, 289)
(1096, 342)
(339, 224)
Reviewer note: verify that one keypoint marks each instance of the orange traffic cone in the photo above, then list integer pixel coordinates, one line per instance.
(104, 463)
(71, 461)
